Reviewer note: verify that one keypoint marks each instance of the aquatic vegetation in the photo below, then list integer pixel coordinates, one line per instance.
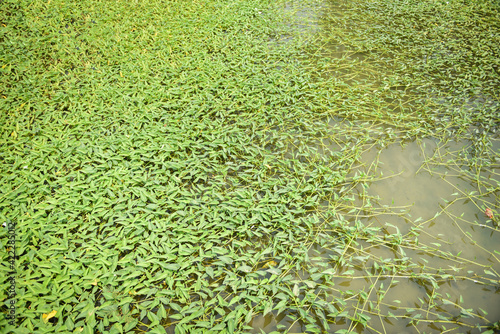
(245, 166)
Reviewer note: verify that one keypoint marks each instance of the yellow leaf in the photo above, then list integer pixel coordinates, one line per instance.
(14, 134)
(47, 317)
(95, 282)
(270, 264)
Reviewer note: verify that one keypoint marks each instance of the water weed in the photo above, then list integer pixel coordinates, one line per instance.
(213, 166)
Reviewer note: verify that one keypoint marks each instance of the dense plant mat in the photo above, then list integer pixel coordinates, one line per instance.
(197, 166)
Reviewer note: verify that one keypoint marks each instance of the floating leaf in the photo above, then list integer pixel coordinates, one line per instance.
(489, 272)
(268, 307)
(270, 264)
(249, 316)
(296, 290)
(48, 316)
(245, 269)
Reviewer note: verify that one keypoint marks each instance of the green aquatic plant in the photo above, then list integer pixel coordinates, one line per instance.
(211, 166)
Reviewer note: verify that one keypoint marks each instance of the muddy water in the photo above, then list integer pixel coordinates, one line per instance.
(424, 186)
(422, 192)
(418, 187)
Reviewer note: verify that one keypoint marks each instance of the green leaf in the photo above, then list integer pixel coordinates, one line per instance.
(172, 266)
(162, 313)
(210, 271)
(220, 311)
(245, 269)
(330, 271)
(219, 327)
(158, 330)
(268, 307)
(130, 325)
(249, 316)
(488, 272)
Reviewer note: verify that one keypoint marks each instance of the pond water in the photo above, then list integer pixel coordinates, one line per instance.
(415, 191)
(423, 190)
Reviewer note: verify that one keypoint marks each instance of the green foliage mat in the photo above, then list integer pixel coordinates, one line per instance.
(169, 164)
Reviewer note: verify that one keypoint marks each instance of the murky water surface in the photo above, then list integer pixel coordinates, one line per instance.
(423, 186)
